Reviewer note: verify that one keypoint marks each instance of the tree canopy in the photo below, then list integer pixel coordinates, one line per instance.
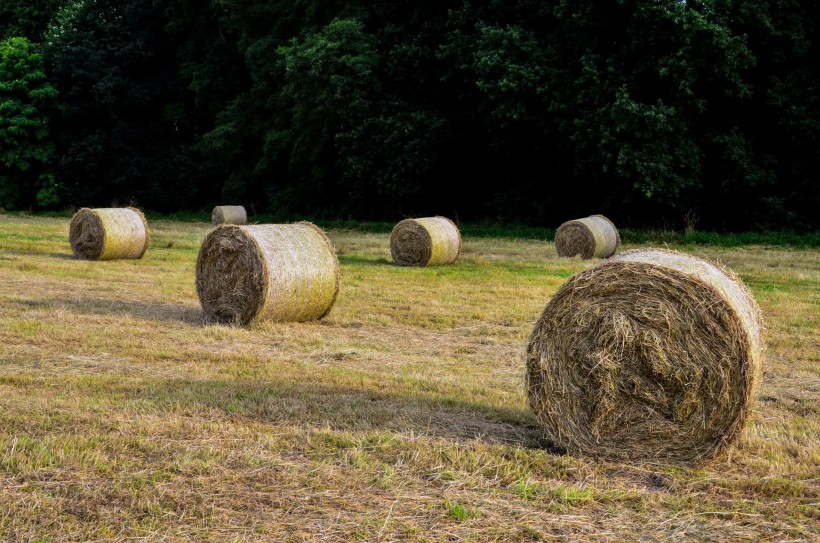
(26, 153)
(653, 113)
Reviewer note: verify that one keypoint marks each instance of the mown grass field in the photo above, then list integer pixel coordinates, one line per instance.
(401, 416)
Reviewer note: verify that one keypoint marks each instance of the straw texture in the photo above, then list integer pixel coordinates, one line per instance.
(109, 233)
(594, 236)
(652, 355)
(229, 215)
(428, 241)
(279, 272)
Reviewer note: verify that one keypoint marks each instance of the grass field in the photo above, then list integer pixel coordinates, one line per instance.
(400, 417)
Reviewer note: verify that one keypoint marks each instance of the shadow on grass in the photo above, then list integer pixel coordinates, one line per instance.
(363, 261)
(113, 307)
(61, 256)
(380, 407)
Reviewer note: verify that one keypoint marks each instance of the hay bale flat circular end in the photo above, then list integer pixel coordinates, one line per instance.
(280, 272)
(229, 215)
(427, 241)
(594, 236)
(652, 356)
(109, 233)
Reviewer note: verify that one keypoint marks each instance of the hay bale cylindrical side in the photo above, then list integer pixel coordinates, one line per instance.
(651, 356)
(109, 233)
(279, 272)
(427, 241)
(594, 236)
(229, 215)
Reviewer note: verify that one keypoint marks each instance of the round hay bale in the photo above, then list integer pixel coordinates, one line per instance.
(594, 236)
(652, 355)
(428, 241)
(229, 215)
(109, 233)
(280, 272)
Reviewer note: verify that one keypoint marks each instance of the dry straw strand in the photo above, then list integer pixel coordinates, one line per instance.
(109, 233)
(651, 356)
(593, 236)
(428, 241)
(229, 215)
(279, 272)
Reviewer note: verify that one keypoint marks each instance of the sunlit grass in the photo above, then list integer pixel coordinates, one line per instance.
(401, 416)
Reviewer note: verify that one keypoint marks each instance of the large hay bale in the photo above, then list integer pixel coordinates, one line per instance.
(652, 355)
(229, 215)
(281, 272)
(109, 233)
(428, 241)
(594, 236)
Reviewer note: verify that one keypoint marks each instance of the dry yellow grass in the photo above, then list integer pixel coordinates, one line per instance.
(652, 355)
(593, 236)
(229, 215)
(427, 241)
(279, 272)
(399, 417)
(109, 233)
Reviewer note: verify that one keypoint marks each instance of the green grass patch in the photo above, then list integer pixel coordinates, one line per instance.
(460, 512)
(487, 230)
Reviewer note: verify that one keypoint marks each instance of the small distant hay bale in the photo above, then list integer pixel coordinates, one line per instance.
(279, 272)
(229, 215)
(594, 236)
(428, 241)
(651, 356)
(109, 233)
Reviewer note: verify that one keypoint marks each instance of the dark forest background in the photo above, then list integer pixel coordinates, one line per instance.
(655, 113)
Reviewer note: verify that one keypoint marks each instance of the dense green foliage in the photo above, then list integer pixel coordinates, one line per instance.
(26, 152)
(665, 113)
(121, 136)
(26, 18)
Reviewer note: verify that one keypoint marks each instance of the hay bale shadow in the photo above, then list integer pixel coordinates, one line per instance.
(363, 261)
(284, 403)
(162, 312)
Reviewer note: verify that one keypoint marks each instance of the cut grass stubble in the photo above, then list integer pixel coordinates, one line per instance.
(123, 415)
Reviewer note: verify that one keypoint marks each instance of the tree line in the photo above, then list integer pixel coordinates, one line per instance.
(662, 113)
